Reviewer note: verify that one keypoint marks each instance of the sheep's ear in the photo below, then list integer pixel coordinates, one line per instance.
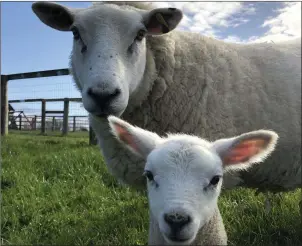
(246, 149)
(162, 20)
(54, 15)
(139, 141)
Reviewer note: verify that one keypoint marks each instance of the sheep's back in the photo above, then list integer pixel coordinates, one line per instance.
(213, 89)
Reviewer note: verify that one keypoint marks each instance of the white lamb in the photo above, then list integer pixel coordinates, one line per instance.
(184, 177)
(127, 61)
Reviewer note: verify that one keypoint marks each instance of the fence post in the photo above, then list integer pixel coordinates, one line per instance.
(65, 117)
(20, 122)
(35, 123)
(92, 137)
(4, 105)
(43, 114)
(53, 123)
(74, 123)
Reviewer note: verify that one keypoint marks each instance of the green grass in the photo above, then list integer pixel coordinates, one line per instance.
(56, 190)
(78, 134)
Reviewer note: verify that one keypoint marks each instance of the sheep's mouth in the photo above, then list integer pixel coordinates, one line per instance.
(105, 113)
(102, 115)
(175, 239)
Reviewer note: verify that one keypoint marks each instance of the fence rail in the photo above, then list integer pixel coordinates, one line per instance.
(76, 99)
(52, 123)
(23, 120)
(39, 74)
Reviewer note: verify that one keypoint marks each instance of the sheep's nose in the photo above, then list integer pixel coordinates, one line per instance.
(177, 220)
(101, 98)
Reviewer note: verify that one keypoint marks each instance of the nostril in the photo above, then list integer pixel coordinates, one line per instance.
(90, 92)
(168, 218)
(177, 220)
(117, 92)
(102, 98)
(98, 92)
(189, 219)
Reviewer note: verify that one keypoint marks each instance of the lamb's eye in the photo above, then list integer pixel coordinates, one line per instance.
(141, 34)
(149, 175)
(215, 180)
(75, 32)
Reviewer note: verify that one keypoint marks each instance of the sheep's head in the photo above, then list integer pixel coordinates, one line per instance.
(184, 173)
(109, 49)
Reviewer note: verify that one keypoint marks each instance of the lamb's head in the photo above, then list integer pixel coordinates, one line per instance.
(109, 49)
(184, 173)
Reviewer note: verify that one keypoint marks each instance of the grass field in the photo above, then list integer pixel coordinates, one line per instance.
(56, 190)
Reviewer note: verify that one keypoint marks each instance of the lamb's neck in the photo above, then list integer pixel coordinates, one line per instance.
(116, 157)
(212, 233)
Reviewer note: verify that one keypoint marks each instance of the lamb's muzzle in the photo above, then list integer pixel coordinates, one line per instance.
(177, 222)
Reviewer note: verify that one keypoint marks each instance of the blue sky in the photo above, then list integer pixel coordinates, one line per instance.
(29, 45)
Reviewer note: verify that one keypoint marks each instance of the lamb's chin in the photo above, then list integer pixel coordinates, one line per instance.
(170, 242)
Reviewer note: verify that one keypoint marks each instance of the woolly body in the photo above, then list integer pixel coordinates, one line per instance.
(198, 85)
(215, 89)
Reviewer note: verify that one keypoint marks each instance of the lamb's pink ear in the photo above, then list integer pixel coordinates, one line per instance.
(139, 141)
(162, 20)
(54, 15)
(246, 149)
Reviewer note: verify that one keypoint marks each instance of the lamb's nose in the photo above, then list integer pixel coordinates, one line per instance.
(101, 98)
(177, 220)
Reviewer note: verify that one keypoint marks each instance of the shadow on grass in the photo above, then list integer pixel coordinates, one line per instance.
(6, 184)
(283, 235)
(126, 224)
(78, 143)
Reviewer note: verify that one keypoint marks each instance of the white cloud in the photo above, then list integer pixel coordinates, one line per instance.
(234, 39)
(285, 26)
(249, 9)
(208, 17)
(239, 21)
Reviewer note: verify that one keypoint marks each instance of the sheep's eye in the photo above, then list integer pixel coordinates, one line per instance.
(215, 180)
(141, 34)
(76, 36)
(149, 175)
(75, 32)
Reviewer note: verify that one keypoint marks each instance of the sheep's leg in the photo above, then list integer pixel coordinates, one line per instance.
(122, 164)
(267, 202)
(267, 205)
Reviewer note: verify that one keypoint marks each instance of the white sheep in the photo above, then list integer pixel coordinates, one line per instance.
(127, 61)
(184, 178)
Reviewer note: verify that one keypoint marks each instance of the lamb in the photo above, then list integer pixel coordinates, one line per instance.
(184, 178)
(127, 60)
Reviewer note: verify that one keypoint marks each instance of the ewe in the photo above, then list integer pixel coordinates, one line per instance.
(127, 61)
(184, 177)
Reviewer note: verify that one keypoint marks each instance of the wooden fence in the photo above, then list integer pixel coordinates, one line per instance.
(44, 112)
(48, 73)
(33, 123)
